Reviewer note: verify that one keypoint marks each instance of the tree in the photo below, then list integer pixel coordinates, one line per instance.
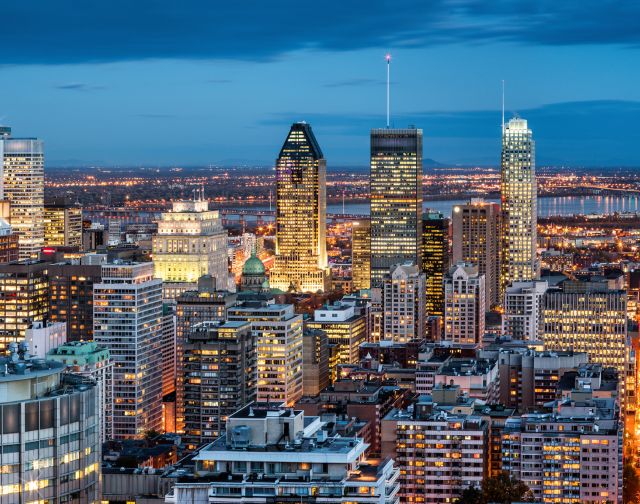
(500, 489)
(631, 484)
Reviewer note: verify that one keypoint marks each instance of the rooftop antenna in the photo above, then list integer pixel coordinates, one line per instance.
(388, 58)
(503, 106)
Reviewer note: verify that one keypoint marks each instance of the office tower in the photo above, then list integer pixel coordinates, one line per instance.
(193, 308)
(476, 240)
(190, 243)
(587, 316)
(519, 204)
(87, 358)
(361, 254)
(219, 366)
(9, 250)
(22, 162)
(403, 303)
(127, 320)
(435, 260)
(288, 456)
(24, 298)
(396, 199)
(464, 305)
(62, 224)
(301, 207)
(315, 361)
(344, 328)
(441, 447)
(168, 349)
(572, 454)
(522, 317)
(278, 333)
(50, 433)
(71, 296)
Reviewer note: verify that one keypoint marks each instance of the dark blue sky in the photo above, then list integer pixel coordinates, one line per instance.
(197, 82)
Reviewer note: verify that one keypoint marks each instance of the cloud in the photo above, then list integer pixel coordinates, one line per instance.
(71, 31)
(78, 86)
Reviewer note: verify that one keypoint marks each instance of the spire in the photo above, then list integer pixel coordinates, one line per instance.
(503, 106)
(388, 59)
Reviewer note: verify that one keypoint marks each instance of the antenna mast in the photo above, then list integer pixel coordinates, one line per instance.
(503, 106)
(388, 58)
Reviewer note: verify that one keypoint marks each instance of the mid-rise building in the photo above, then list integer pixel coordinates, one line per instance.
(24, 298)
(361, 254)
(278, 333)
(301, 263)
(50, 433)
(219, 367)
(41, 337)
(587, 316)
(518, 190)
(190, 243)
(344, 328)
(62, 224)
(404, 303)
(396, 199)
(435, 260)
(271, 453)
(9, 250)
(87, 358)
(22, 162)
(464, 312)
(315, 358)
(476, 240)
(127, 320)
(523, 306)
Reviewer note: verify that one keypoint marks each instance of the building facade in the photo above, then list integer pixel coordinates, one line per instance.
(523, 306)
(315, 355)
(361, 254)
(396, 199)
(404, 303)
(62, 224)
(465, 307)
(435, 260)
(301, 212)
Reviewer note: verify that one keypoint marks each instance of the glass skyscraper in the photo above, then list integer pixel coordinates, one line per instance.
(301, 207)
(396, 199)
(519, 204)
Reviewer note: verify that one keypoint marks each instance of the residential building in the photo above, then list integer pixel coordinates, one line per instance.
(315, 361)
(404, 303)
(464, 311)
(523, 307)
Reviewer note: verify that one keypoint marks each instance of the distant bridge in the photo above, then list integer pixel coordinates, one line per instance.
(231, 216)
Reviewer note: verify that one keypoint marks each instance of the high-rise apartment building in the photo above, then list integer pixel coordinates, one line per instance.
(396, 199)
(587, 316)
(403, 302)
(435, 260)
(62, 224)
(464, 305)
(50, 433)
(24, 298)
(476, 240)
(22, 163)
(301, 212)
(518, 190)
(190, 243)
(278, 333)
(127, 320)
(219, 366)
(361, 254)
(523, 303)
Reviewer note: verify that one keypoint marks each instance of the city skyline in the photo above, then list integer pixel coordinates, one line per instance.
(215, 91)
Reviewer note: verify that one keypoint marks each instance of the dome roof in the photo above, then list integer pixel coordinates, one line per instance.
(253, 266)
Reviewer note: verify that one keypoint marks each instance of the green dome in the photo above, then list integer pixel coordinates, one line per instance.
(253, 266)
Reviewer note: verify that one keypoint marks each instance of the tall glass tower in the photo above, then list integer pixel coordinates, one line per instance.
(301, 208)
(396, 199)
(519, 204)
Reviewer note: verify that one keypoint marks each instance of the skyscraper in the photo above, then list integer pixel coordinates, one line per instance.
(301, 206)
(476, 235)
(190, 243)
(361, 254)
(22, 163)
(435, 260)
(396, 199)
(127, 320)
(519, 204)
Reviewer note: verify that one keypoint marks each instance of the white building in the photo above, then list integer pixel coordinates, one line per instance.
(275, 454)
(190, 243)
(42, 337)
(22, 165)
(464, 305)
(404, 298)
(127, 320)
(279, 349)
(523, 302)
